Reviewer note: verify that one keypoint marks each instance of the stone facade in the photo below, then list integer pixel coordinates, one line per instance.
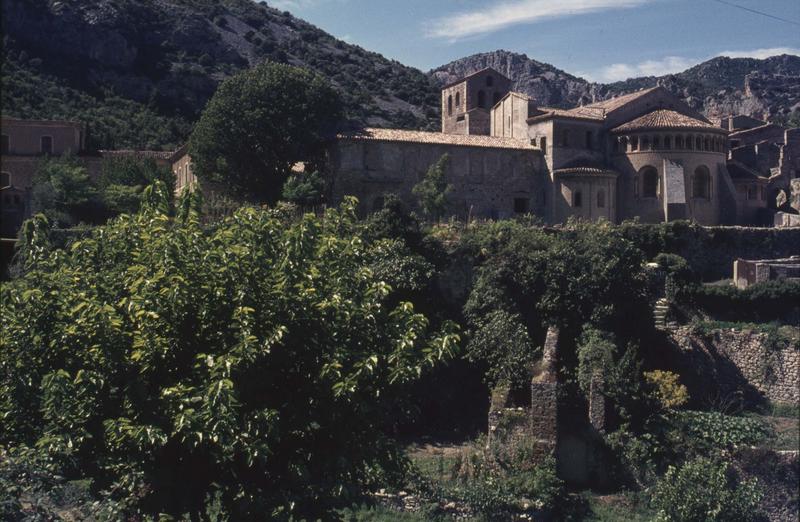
(467, 102)
(490, 177)
(731, 361)
(749, 272)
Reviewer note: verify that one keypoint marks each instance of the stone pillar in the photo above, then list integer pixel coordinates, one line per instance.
(597, 403)
(674, 191)
(544, 396)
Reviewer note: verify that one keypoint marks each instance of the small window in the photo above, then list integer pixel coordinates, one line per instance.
(520, 205)
(646, 143)
(47, 144)
(460, 117)
(577, 199)
(678, 142)
(458, 99)
(701, 183)
(543, 144)
(450, 105)
(489, 81)
(634, 144)
(707, 144)
(698, 143)
(588, 139)
(656, 143)
(667, 142)
(601, 199)
(5, 179)
(5, 145)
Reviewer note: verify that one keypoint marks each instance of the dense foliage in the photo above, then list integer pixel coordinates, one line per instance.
(704, 490)
(433, 189)
(259, 124)
(251, 369)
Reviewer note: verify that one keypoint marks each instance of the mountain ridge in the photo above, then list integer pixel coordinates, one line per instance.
(140, 71)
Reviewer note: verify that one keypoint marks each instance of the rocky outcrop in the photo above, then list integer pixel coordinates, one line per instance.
(768, 88)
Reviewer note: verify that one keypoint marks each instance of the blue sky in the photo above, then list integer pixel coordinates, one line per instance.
(601, 40)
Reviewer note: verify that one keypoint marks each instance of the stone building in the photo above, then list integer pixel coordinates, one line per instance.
(645, 155)
(25, 143)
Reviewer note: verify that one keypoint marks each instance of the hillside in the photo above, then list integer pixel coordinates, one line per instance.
(168, 56)
(139, 72)
(768, 88)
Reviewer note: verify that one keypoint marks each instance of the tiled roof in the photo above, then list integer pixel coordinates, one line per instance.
(617, 102)
(585, 170)
(438, 138)
(154, 154)
(578, 113)
(760, 128)
(740, 171)
(666, 119)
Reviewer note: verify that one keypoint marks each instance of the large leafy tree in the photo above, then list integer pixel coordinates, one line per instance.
(250, 369)
(259, 123)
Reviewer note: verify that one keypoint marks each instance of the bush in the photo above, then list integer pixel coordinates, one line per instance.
(762, 302)
(703, 432)
(705, 490)
(671, 393)
(304, 189)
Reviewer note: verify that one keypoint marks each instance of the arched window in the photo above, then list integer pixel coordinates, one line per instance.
(450, 105)
(667, 142)
(5, 179)
(698, 143)
(678, 142)
(481, 99)
(588, 139)
(656, 142)
(489, 81)
(458, 99)
(707, 144)
(701, 183)
(577, 199)
(634, 144)
(646, 143)
(649, 176)
(601, 199)
(565, 138)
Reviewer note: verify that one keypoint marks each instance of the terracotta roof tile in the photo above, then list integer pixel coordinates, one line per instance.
(664, 118)
(438, 138)
(617, 102)
(585, 170)
(579, 114)
(154, 154)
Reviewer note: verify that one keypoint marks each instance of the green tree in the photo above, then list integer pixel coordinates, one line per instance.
(259, 123)
(123, 180)
(63, 191)
(304, 188)
(252, 368)
(433, 190)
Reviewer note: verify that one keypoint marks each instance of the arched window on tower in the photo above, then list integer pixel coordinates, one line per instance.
(481, 99)
(701, 183)
(450, 105)
(458, 99)
(649, 177)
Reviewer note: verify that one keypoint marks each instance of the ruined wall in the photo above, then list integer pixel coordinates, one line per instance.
(728, 361)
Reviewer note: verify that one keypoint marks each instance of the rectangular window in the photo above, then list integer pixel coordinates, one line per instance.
(47, 145)
(520, 205)
(5, 144)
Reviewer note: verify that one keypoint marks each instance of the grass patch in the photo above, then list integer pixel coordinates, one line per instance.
(366, 513)
(626, 507)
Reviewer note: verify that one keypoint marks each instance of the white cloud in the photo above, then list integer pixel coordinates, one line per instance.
(514, 12)
(675, 64)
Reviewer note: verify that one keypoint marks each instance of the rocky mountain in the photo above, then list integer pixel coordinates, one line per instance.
(169, 55)
(139, 72)
(768, 88)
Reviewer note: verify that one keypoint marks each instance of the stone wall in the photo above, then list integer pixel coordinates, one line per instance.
(731, 361)
(486, 182)
(778, 473)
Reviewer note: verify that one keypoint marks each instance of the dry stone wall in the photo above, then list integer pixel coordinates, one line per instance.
(729, 361)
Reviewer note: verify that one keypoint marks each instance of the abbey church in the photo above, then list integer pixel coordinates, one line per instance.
(644, 155)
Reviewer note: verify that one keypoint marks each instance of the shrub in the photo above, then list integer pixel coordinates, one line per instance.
(433, 190)
(671, 393)
(702, 432)
(705, 490)
(304, 189)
